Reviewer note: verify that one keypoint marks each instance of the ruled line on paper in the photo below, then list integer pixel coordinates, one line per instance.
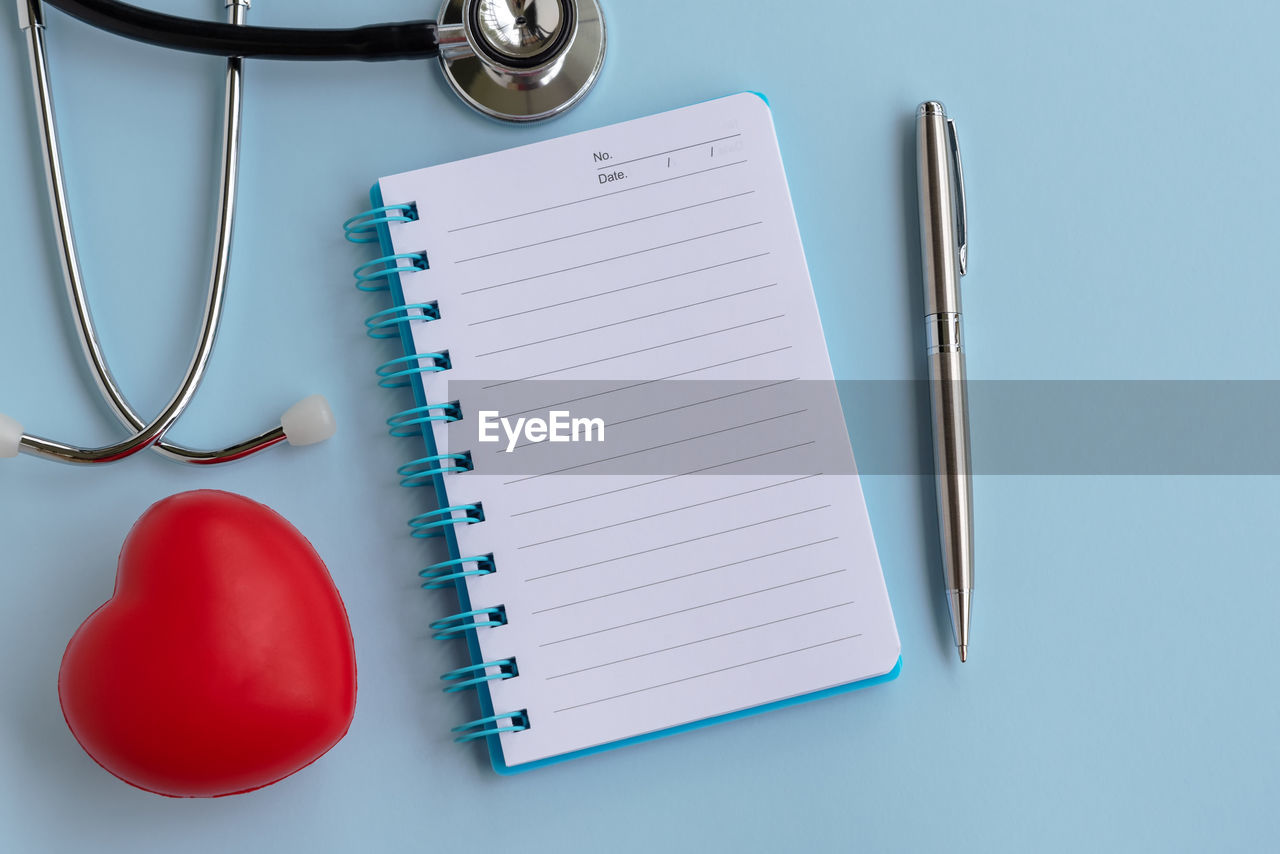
(665, 512)
(701, 640)
(661, 479)
(694, 608)
(697, 337)
(626, 320)
(684, 373)
(598, 294)
(611, 164)
(709, 673)
(679, 543)
(596, 197)
(619, 423)
(656, 447)
(685, 575)
(612, 258)
(603, 227)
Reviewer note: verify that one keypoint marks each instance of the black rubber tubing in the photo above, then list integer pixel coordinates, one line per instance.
(405, 40)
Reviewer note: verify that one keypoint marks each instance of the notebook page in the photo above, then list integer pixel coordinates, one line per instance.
(699, 572)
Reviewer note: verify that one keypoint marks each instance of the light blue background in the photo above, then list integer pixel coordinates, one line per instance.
(1122, 691)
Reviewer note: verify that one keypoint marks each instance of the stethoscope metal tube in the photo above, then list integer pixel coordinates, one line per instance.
(147, 435)
(516, 60)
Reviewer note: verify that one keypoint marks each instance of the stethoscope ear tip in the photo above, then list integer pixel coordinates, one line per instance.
(307, 422)
(10, 436)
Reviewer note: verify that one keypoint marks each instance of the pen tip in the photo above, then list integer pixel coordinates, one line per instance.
(964, 653)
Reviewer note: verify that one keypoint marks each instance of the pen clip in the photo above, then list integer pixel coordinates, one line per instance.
(962, 214)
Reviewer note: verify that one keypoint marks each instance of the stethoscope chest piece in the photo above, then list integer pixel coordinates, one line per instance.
(521, 60)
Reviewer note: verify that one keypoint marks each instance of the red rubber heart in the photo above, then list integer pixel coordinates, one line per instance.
(222, 663)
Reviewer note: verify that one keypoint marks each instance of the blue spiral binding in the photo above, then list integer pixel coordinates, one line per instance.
(393, 374)
(420, 471)
(433, 522)
(370, 279)
(407, 422)
(363, 227)
(378, 275)
(443, 574)
(459, 624)
(484, 727)
(479, 673)
(387, 323)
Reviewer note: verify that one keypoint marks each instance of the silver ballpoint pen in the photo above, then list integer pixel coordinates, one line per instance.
(944, 253)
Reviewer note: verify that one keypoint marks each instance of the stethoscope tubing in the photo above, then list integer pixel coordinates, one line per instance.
(405, 40)
(486, 72)
(146, 434)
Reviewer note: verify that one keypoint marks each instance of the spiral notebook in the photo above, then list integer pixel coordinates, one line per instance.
(686, 542)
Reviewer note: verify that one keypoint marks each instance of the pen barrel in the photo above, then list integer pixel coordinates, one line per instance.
(949, 405)
(939, 247)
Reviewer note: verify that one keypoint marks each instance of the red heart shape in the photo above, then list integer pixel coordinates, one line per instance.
(223, 661)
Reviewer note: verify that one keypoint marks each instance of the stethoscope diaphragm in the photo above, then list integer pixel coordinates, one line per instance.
(521, 61)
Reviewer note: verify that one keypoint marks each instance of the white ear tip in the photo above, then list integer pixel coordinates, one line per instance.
(308, 421)
(10, 436)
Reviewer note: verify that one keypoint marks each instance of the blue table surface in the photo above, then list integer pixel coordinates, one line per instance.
(1122, 689)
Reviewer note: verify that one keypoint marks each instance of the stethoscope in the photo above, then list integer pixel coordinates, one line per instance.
(516, 60)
